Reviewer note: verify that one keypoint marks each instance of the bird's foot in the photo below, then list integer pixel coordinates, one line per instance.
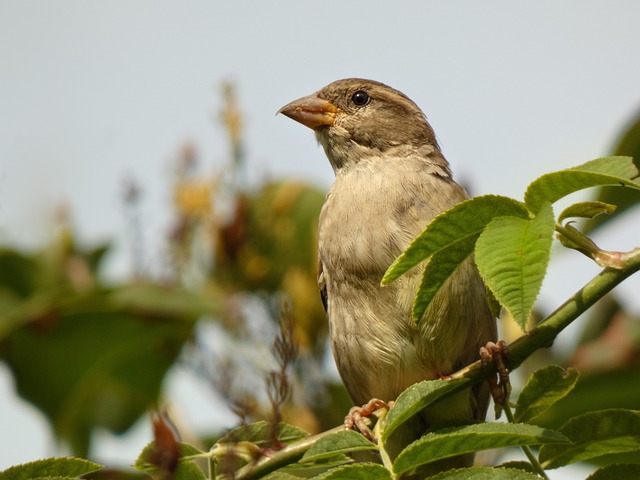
(498, 382)
(357, 417)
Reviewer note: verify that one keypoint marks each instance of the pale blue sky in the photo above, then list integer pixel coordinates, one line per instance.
(91, 92)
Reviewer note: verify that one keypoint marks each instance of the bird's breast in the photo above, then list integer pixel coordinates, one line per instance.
(371, 215)
(365, 224)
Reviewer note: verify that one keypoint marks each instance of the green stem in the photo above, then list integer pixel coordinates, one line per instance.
(288, 455)
(212, 468)
(525, 448)
(377, 431)
(573, 238)
(543, 334)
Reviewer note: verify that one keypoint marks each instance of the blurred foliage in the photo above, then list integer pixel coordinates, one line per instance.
(624, 198)
(91, 355)
(257, 244)
(85, 354)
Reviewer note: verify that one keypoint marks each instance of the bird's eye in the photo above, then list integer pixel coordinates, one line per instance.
(360, 98)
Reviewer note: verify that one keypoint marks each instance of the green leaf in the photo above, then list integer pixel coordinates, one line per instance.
(595, 434)
(596, 391)
(602, 171)
(416, 398)
(313, 469)
(112, 363)
(186, 470)
(543, 389)
(358, 471)
(450, 442)
(145, 460)
(485, 473)
(53, 478)
(282, 475)
(457, 228)
(50, 467)
(517, 465)
(512, 255)
(18, 273)
(586, 210)
(571, 237)
(439, 268)
(263, 434)
(340, 442)
(628, 143)
(492, 302)
(149, 459)
(616, 472)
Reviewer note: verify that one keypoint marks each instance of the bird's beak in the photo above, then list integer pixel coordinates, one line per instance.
(311, 111)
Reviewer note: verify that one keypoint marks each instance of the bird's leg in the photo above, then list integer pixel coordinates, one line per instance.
(498, 383)
(355, 419)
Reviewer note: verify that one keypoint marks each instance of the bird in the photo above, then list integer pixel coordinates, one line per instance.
(391, 180)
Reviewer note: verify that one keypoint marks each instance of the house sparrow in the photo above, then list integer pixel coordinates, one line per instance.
(391, 181)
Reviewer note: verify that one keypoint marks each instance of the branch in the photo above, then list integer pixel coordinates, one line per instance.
(288, 455)
(543, 334)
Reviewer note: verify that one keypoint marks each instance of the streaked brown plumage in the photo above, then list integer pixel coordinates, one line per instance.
(391, 181)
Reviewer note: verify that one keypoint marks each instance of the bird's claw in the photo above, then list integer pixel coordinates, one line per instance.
(498, 382)
(355, 419)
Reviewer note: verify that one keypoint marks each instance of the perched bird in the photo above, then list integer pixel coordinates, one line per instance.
(391, 180)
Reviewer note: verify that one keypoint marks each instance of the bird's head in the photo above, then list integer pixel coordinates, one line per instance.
(355, 118)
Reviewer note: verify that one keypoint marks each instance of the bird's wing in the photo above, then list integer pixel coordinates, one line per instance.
(322, 284)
